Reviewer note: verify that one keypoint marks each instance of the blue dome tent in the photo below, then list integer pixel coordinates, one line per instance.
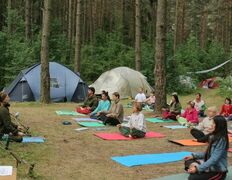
(65, 85)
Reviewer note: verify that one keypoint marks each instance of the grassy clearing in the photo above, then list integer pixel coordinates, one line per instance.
(68, 154)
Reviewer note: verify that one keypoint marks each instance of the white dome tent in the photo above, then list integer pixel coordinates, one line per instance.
(124, 80)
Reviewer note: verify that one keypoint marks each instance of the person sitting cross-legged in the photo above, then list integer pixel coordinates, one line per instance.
(103, 105)
(115, 114)
(90, 103)
(190, 115)
(211, 164)
(202, 131)
(173, 109)
(136, 127)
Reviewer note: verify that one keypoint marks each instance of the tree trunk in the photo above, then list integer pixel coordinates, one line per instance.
(78, 38)
(9, 18)
(28, 19)
(227, 43)
(160, 69)
(203, 28)
(45, 76)
(137, 36)
(70, 29)
(179, 30)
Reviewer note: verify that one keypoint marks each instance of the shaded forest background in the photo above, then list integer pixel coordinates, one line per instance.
(198, 37)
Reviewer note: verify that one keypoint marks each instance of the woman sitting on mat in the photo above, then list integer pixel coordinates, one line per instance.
(205, 127)
(226, 109)
(190, 115)
(173, 110)
(116, 113)
(103, 105)
(136, 127)
(90, 103)
(6, 125)
(211, 164)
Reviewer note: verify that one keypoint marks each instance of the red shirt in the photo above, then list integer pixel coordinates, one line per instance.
(191, 116)
(226, 110)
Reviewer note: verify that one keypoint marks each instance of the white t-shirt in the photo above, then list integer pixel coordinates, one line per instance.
(137, 121)
(140, 97)
(198, 105)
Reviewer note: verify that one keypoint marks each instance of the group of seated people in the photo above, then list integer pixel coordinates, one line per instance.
(110, 111)
(212, 129)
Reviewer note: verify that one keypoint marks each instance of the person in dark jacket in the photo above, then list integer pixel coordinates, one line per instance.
(90, 103)
(211, 164)
(6, 125)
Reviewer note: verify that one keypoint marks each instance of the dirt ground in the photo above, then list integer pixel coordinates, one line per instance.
(68, 154)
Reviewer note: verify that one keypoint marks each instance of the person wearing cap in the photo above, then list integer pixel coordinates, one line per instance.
(6, 125)
(90, 103)
(205, 127)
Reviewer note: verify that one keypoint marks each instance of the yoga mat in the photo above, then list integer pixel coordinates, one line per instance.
(190, 142)
(158, 120)
(183, 176)
(143, 159)
(118, 136)
(68, 113)
(175, 127)
(33, 139)
(182, 120)
(187, 142)
(91, 124)
(85, 120)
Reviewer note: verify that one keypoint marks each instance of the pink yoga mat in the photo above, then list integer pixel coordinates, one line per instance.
(118, 136)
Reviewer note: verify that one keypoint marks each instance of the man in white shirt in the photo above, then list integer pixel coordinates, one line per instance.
(199, 105)
(140, 97)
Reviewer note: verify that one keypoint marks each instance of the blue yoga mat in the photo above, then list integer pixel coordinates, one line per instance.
(176, 127)
(33, 140)
(143, 159)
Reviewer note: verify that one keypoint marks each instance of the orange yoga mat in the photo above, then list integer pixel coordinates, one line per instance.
(191, 142)
(187, 142)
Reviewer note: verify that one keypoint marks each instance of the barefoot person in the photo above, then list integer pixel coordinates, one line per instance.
(136, 127)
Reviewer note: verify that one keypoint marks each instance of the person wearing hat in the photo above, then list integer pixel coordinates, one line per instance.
(6, 125)
(90, 103)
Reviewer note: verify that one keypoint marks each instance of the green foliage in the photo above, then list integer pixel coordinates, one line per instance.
(225, 88)
(190, 57)
(105, 53)
(18, 52)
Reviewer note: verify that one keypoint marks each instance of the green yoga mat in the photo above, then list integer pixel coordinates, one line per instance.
(158, 120)
(182, 120)
(184, 176)
(68, 113)
(91, 124)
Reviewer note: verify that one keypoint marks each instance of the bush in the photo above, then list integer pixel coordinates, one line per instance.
(225, 88)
